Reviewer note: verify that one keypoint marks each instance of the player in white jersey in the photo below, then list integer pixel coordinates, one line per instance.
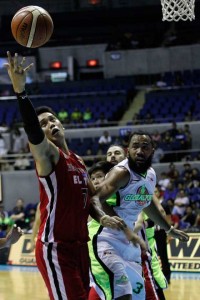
(134, 181)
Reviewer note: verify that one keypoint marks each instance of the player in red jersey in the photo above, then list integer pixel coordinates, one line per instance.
(61, 249)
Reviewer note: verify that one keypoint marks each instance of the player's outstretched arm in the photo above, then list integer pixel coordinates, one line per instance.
(12, 237)
(155, 215)
(43, 150)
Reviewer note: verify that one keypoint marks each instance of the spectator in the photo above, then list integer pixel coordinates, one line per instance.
(125, 138)
(173, 173)
(188, 219)
(18, 213)
(173, 131)
(188, 136)
(170, 192)
(164, 181)
(148, 119)
(197, 221)
(188, 116)
(180, 137)
(76, 116)
(186, 168)
(63, 115)
(195, 175)
(102, 121)
(104, 141)
(87, 115)
(3, 128)
(156, 136)
(158, 153)
(17, 140)
(180, 204)
(5, 224)
(166, 143)
(22, 162)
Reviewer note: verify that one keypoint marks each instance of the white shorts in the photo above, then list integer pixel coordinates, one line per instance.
(122, 272)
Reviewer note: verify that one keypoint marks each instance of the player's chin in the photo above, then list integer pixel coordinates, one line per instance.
(140, 163)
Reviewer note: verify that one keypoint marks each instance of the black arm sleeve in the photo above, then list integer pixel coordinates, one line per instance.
(150, 223)
(30, 119)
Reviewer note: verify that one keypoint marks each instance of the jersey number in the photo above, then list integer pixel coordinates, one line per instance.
(138, 288)
(85, 196)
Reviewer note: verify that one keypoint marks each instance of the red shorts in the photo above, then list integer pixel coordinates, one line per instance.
(150, 287)
(65, 269)
(93, 295)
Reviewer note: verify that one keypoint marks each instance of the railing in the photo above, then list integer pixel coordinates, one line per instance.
(173, 155)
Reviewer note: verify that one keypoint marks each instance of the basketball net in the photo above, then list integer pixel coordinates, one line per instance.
(176, 10)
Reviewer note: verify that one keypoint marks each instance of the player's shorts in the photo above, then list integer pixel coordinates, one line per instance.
(150, 286)
(65, 269)
(121, 275)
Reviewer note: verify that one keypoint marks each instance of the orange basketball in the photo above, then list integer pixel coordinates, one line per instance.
(32, 26)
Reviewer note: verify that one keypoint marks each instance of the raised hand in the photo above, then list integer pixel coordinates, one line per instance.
(17, 72)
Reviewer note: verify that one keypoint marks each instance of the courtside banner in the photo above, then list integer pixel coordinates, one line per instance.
(20, 253)
(185, 256)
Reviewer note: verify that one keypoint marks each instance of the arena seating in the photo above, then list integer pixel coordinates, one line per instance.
(173, 104)
(101, 96)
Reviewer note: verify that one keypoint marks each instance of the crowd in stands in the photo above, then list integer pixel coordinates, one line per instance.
(180, 193)
(174, 139)
(173, 144)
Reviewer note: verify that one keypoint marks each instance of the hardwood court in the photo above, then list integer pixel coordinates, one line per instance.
(25, 283)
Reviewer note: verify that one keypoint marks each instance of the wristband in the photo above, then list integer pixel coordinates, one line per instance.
(150, 223)
(169, 230)
(21, 95)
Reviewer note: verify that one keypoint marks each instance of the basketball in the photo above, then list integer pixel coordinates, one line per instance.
(32, 26)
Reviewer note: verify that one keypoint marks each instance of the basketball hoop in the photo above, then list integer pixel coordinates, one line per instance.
(176, 10)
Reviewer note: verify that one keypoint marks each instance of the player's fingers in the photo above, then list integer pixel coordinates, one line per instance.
(15, 62)
(28, 67)
(9, 57)
(22, 61)
(20, 231)
(6, 65)
(184, 238)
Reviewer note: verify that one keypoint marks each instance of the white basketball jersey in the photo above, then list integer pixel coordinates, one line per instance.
(137, 194)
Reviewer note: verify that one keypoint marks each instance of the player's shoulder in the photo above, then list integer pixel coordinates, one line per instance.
(151, 172)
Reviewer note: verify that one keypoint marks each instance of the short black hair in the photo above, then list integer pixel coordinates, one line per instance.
(141, 133)
(103, 166)
(42, 109)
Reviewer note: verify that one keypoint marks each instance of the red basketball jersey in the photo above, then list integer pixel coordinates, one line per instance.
(64, 202)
